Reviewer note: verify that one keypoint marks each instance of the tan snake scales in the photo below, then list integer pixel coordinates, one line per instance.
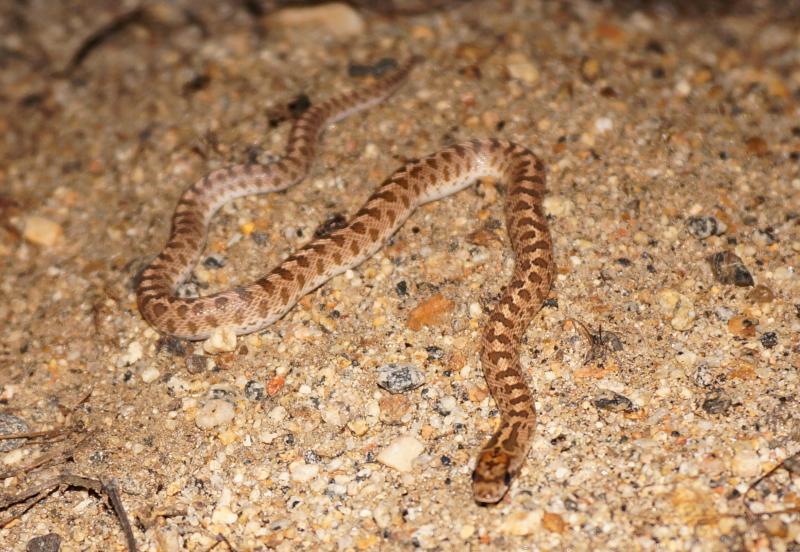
(252, 307)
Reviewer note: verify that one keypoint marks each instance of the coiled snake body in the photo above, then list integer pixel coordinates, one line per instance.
(252, 307)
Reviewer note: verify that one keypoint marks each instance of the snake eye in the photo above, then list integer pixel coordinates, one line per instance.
(507, 478)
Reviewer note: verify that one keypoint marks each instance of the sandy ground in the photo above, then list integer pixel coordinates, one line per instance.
(669, 137)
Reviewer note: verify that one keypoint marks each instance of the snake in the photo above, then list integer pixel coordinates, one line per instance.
(252, 307)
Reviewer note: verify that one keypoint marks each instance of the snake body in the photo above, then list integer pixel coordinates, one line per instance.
(251, 307)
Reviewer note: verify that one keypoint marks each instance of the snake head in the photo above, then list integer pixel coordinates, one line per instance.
(492, 476)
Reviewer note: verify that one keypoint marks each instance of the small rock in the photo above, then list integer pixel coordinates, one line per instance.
(338, 19)
(678, 308)
(223, 515)
(132, 354)
(743, 327)
(401, 453)
(609, 400)
(44, 543)
(255, 390)
(214, 260)
(222, 340)
(554, 523)
(558, 206)
(704, 375)
(196, 364)
(302, 472)
(277, 414)
(400, 378)
(430, 312)
(520, 67)
(520, 524)
(746, 463)
(757, 146)
(358, 426)
(11, 424)
(761, 294)
(41, 231)
(705, 227)
(446, 405)
(393, 408)
(150, 374)
(716, 403)
(215, 412)
(728, 269)
(769, 340)
(590, 69)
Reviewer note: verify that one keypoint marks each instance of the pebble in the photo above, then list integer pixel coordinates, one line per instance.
(522, 68)
(222, 340)
(554, 523)
(769, 340)
(678, 308)
(132, 354)
(44, 543)
(590, 69)
(558, 206)
(705, 227)
(430, 312)
(521, 524)
(41, 231)
(446, 405)
(150, 374)
(255, 390)
(716, 403)
(214, 413)
(401, 453)
(400, 378)
(302, 472)
(760, 294)
(610, 400)
(11, 424)
(394, 408)
(728, 269)
(336, 18)
(746, 463)
(223, 515)
(196, 364)
(742, 326)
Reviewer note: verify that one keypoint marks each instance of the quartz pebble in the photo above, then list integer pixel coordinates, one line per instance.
(400, 378)
(401, 453)
(609, 400)
(335, 18)
(678, 308)
(746, 463)
(430, 312)
(214, 413)
(522, 68)
(41, 231)
(150, 374)
(302, 472)
(558, 206)
(222, 340)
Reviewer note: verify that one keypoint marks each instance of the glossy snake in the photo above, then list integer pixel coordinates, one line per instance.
(252, 307)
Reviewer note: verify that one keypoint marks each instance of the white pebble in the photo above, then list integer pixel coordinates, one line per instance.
(277, 414)
(746, 464)
(222, 340)
(132, 354)
(338, 19)
(150, 374)
(401, 453)
(215, 412)
(603, 124)
(224, 516)
(558, 206)
(302, 472)
(475, 310)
